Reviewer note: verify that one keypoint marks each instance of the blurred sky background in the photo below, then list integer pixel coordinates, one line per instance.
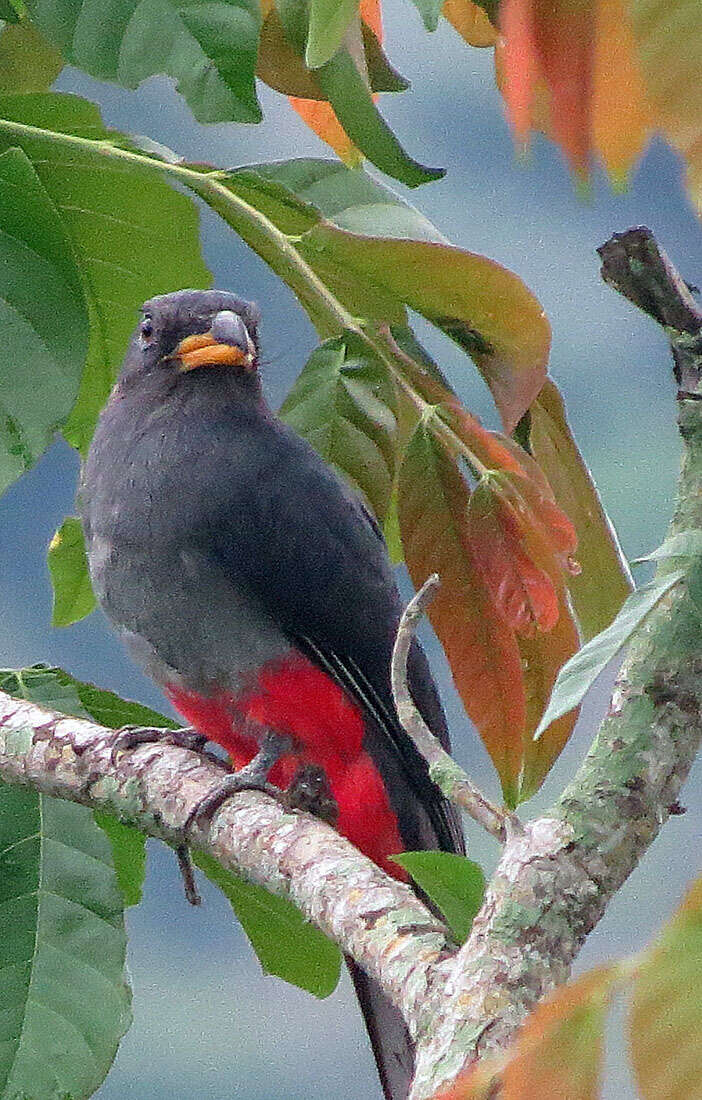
(208, 1024)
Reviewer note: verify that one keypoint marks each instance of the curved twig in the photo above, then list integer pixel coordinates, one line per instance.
(449, 777)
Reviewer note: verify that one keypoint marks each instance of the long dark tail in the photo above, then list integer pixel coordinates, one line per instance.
(392, 1046)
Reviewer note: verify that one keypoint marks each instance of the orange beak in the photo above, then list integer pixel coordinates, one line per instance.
(203, 350)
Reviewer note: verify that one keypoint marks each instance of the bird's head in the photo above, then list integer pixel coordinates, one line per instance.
(193, 330)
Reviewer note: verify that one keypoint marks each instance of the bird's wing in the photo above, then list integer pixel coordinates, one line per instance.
(303, 544)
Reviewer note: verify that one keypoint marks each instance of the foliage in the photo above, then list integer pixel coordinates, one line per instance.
(64, 994)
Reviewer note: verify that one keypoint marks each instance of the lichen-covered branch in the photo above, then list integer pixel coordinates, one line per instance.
(371, 916)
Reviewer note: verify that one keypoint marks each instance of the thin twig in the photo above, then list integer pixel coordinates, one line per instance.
(449, 777)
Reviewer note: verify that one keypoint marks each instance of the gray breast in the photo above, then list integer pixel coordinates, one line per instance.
(181, 618)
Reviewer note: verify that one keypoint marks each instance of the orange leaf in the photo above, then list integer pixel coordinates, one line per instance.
(551, 41)
(522, 592)
(470, 21)
(665, 1024)
(320, 117)
(521, 63)
(621, 115)
(558, 1051)
(478, 1082)
(371, 15)
(479, 644)
(604, 583)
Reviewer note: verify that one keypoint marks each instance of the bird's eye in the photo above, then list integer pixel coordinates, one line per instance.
(146, 329)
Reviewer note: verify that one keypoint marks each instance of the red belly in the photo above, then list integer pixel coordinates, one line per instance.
(297, 699)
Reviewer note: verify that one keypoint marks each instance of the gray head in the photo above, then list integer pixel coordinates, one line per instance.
(192, 330)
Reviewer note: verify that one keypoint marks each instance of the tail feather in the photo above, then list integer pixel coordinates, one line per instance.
(390, 1039)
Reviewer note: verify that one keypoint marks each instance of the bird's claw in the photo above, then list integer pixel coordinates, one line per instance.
(130, 737)
(252, 777)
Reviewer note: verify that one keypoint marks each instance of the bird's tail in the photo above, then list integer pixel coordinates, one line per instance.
(390, 1039)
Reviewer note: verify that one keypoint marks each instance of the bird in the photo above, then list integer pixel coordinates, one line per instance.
(254, 586)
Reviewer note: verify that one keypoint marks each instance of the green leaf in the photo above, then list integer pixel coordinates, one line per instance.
(665, 1023)
(8, 12)
(345, 89)
(455, 884)
(350, 198)
(27, 62)
(345, 405)
(132, 237)
(58, 689)
(84, 699)
(430, 10)
(282, 67)
(128, 855)
(285, 943)
(64, 999)
(42, 361)
(686, 544)
(209, 48)
(329, 21)
(579, 673)
(382, 76)
(70, 580)
(486, 309)
(604, 582)
(111, 710)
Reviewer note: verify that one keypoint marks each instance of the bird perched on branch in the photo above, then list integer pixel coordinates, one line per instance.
(255, 588)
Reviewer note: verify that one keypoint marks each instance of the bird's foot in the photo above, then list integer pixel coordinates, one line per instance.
(130, 737)
(252, 777)
(310, 791)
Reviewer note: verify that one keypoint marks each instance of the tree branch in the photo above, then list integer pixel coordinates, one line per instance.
(374, 918)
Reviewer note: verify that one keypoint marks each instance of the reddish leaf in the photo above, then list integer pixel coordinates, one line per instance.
(665, 1025)
(551, 41)
(604, 581)
(479, 644)
(542, 653)
(520, 63)
(521, 591)
(565, 41)
(535, 505)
